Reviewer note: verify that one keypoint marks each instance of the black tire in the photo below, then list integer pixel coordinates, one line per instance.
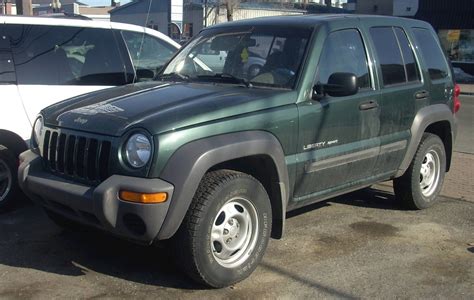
(196, 255)
(408, 188)
(9, 189)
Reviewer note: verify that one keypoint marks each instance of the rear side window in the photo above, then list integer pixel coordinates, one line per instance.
(389, 55)
(58, 55)
(147, 52)
(432, 56)
(344, 52)
(411, 67)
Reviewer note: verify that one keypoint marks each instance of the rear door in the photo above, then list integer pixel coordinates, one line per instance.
(338, 135)
(402, 92)
(54, 63)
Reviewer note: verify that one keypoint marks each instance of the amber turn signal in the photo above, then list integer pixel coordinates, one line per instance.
(142, 197)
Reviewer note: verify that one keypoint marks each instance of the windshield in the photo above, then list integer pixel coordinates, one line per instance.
(256, 56)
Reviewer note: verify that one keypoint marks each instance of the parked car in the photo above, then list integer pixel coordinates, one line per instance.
(214, 160)
(462, 77)
(46, 60)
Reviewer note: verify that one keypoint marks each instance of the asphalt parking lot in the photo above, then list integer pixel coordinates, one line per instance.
(359, 245)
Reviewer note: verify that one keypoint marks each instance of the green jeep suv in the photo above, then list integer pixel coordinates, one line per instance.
(213, 157)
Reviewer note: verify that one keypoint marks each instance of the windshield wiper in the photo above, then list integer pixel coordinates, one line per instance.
(174, 75)
(227, 77)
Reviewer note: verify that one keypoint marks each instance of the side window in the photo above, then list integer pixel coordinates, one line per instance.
(147, 52)
(344, 52)
(432, 56)
(411, 67)
(66, 56)
(389, 55)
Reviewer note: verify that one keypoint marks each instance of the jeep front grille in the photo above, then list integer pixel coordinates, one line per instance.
(76, 156)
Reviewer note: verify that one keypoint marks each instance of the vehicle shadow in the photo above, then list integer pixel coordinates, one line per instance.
(28, 239)
(16, 205)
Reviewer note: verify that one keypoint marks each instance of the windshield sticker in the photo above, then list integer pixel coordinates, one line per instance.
(98, 108)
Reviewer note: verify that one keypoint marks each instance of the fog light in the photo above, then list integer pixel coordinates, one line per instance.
(143, 197)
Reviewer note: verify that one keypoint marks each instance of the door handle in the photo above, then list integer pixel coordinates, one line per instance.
(421, 95)
(368, 105)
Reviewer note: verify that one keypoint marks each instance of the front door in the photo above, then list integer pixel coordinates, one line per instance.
(338, 141)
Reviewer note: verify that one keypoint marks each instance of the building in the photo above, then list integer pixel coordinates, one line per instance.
(42, 7)
(195, 13)
(165, 16)
(101, 13)
(7, 8)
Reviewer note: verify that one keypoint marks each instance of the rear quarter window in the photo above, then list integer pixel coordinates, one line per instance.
(433, 57)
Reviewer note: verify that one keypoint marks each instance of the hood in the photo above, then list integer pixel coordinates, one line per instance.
(158, 107)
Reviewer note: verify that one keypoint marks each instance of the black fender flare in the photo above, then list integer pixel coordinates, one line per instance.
(189, 164)
(424, 118)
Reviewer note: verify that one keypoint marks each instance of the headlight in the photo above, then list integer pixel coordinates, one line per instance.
(138, 150)
(38, 131)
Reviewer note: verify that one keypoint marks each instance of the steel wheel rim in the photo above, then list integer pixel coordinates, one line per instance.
(429, 173)
(234, 232)
(5, 180)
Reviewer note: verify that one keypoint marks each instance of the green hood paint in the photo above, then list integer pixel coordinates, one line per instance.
(160, 107)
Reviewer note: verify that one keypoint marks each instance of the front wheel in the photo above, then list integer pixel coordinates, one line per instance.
(226, 229)
(422, 182)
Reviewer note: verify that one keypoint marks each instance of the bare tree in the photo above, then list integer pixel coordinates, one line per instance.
(230, 6)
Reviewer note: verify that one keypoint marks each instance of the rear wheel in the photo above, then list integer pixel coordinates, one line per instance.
(226, 230)
(422, 182)
(9, 189)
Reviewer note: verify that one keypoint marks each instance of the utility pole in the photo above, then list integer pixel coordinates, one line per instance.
(27, 8)
(19, 7)
(205, 13)
(24, 7)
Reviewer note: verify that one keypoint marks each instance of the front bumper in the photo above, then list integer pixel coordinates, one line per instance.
(98, 206)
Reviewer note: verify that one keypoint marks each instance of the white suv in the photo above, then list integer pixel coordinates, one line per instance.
(46, 60)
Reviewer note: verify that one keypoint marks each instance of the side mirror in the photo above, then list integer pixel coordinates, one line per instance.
(339, 85)
(145, 74)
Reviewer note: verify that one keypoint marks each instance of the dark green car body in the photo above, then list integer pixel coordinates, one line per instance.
(302, 147)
